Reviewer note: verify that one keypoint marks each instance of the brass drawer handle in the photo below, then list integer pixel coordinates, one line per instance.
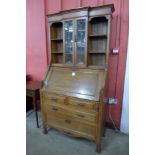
(81, 115)
(67, 121)
(54, 108)
(81, 104)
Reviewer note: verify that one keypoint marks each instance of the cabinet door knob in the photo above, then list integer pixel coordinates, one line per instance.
(81, 115)
(67, 121)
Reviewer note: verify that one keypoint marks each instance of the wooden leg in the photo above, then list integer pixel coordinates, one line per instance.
(36, 115)
(44, 125)
(35, 110)
(98, 148)
(45, 130)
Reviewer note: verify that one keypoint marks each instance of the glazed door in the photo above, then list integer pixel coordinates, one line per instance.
(68, 42)
(80, 41)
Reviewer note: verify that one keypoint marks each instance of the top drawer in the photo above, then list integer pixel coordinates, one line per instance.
(71, 102)
(54, 98)
(82, 104)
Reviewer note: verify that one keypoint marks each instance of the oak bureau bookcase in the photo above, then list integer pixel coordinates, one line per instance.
(73, 91)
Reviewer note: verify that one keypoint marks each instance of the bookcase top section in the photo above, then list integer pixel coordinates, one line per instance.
(81, 12)
(81, 83)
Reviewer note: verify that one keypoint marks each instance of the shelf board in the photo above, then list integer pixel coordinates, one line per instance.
(96, 66)
(56, 52)
(96, 52)
(56, 39)
(98, 36)
(57, 64)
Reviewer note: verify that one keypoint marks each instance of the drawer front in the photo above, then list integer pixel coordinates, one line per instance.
(83, 104)
(53, 98)
(80, 104)
(71, 126)
(64, 111)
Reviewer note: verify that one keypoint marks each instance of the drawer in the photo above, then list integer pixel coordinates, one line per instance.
(82, 104)
(54, 98)
(75, 103)
(71, 126)
(64, 111)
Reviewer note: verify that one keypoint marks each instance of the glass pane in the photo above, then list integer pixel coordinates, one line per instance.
(81, 36)
(68, 41)
(81, 41)
(68, 59)
(81, 24)
(80, 54)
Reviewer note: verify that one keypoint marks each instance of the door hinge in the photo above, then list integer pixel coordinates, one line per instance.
(110, 100)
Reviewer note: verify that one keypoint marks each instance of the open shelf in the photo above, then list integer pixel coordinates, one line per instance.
(56, 46)
(98, 45)
(97, 42)
(57, 58)
(56, 31)
(97, 59)
(98, 25)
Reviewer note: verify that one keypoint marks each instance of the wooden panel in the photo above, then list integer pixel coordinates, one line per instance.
(101, 11)
(83, 84)
(71, 84)
(75, 13)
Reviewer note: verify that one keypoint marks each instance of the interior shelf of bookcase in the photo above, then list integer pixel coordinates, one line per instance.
(56, 31)
(96, 52)
(96, 59)
(57, 58)
(98, 36)
(97, 42)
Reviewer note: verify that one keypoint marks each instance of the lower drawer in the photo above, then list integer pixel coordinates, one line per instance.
(65, 111)
(71, 127)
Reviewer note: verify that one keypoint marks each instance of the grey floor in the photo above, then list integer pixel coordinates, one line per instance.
(56, 143)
